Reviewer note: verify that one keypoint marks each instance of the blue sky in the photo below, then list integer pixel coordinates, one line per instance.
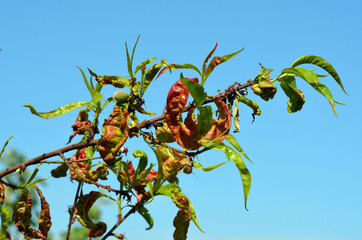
(306, 180)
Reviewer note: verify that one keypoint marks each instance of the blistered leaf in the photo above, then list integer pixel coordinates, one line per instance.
(178, 66)
(312, 79)
(296, 96)
(198, 165)
(22, 217)
(2, 192)
(81, 212)
(146, 215)
(58, 112)
(320, 62)
(45, 218)
(114, 134)
(5, 144)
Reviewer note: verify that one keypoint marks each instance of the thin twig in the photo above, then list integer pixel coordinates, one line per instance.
(87, 180)
(38, 159)
(120, 220)
(71, 212)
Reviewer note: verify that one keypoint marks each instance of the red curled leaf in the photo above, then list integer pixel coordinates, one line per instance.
(2, 192)
(81, 212)
(45, 219)
(186, 133)
(114, 134)
(22, 217)
(182, 220)
(142, 195)
(81, 124)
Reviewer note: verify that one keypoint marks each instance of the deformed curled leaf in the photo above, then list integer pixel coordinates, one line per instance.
(114, 134)
(81, 212)
(262, 85)
(44, 219)
(182, 220)
(22, 217)
(2, 192)
(296, 96)
(172, 161)
(186, 133)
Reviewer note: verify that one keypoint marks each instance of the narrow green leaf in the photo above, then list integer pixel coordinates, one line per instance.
(5, 144)
(144, 63)
(166, 190)
(215, 62)
(232, 140)
(236, 115)
(97, 97)
(198, 165)
(239, 163)
(149, 76)
(196, 90)
(320, 62)
(146, 215)
(58, 112)
(244, 172)
(37, 181)
(36, 170)
(207, 59)
(158, 182)
(204, 119)
(178, 66)
(86, 82)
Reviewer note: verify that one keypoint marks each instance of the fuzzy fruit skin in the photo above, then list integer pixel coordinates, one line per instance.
(120, 96)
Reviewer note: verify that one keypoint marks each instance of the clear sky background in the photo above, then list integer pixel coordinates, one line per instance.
(306, 180)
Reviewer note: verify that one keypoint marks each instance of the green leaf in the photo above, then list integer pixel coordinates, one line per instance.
(146, 215)
(144, 63)
(97, 97)
(130, 59)
(157, 184)
(239, 163)
(312, 79)
(36, 170)
(198, 165)
(91, 91)
(204, 119)
(296, 96)
(142, 162)
(320, 62)
(196, 90)
(236, 115)
(179, 66)
(166, 190)
(215, 62)
(5, 144)
(232, 140)
(58, 112)
(149, 76)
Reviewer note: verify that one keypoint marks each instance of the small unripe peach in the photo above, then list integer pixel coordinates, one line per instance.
(120, 96)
